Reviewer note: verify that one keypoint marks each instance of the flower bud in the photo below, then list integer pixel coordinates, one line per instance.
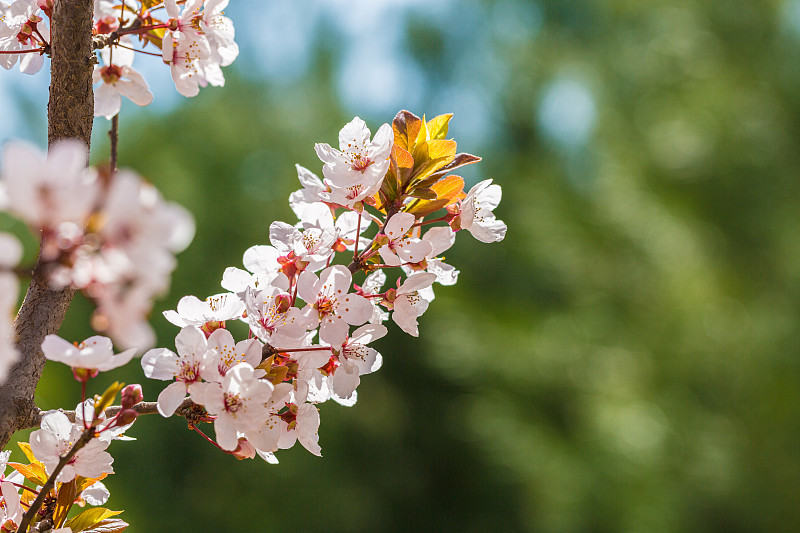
(131, 395)
(245, 450)
(126, 416)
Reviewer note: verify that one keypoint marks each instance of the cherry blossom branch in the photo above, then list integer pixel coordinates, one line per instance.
(82, 441)
(40, 50)
(101, 41)
(70, 114)
(188, 410)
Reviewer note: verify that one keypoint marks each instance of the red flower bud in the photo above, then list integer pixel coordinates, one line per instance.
(131, 395)
(126, 416)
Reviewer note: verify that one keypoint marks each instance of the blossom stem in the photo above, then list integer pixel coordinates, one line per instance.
(82, 441)
(426, 222)
(310, 349)
(113, 135)
(294, 293)
(143, 29)
(192, 426)
(137, 50)
(45, 44)
(23, 487)
(358, 262)
(358, 235)
(83, 403)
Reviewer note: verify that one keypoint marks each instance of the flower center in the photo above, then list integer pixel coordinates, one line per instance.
(360, 163)
(325, 305)
(232, 402)
(111, 73)
(189, 372)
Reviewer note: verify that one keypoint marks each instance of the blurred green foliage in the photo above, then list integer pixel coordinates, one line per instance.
(626, 360)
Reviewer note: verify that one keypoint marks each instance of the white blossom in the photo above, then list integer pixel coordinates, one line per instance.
(56, 438)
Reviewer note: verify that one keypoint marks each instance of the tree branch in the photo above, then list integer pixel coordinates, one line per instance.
(188, 410)
(70, 113)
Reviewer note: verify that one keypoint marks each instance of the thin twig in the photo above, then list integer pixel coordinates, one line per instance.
(188, 410)
(113, 134)
(84, 439)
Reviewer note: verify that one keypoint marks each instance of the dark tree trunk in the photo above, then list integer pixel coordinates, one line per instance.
(70, 113)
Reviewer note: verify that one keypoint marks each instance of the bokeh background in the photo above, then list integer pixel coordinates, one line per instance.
(627, 360)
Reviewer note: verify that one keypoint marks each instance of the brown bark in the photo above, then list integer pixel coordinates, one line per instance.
(71, 107)
(70, 114)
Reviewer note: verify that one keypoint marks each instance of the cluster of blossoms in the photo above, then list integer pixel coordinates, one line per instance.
(67, 454)
(309, 323)
(310, 326)
(195, 40)
(111, 236)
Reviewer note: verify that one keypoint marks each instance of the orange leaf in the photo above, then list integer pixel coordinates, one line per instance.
(448, 191)
(441, 149)
(450, 188)
(26, 449)
(89, 518)
(33, 473)
(437, 126)
(406, 126)
(67, 492)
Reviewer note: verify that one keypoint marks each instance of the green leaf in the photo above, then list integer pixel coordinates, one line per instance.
(89, 518)
(107, 398)
(423, 194)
